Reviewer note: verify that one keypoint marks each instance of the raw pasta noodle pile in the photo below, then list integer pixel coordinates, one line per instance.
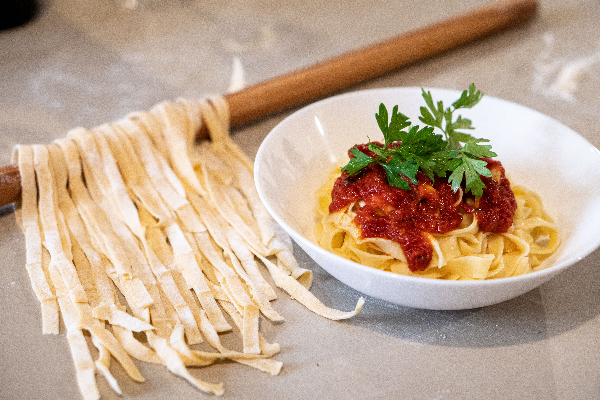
(136, 210)
(466, 253)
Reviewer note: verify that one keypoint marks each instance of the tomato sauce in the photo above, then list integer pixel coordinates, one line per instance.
(406, 216)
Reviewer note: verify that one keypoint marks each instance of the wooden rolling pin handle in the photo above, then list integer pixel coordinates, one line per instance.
(327, 77)
(10, 184)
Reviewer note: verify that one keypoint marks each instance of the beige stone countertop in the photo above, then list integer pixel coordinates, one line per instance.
(86, 62)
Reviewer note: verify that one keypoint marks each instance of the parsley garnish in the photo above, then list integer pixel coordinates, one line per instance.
(409, 148)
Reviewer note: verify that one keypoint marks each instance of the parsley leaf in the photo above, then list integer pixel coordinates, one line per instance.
(468, 99)
(397, 168)
(436, 116)
(475, 149)
(409, 148)
(471, 169)
(398, 122)
(357, 163)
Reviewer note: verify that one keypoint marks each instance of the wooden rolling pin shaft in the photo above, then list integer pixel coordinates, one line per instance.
(327, 77)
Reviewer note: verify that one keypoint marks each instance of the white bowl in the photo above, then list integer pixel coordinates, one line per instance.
(536, 151)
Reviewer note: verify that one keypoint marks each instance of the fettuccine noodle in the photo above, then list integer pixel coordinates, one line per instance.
(133, 227)
(466, 253)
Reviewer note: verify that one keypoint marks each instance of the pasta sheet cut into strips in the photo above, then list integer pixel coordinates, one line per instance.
(133, 227)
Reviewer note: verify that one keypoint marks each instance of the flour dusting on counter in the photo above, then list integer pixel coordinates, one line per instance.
(238, 78)
(249, 41)
(561, 77)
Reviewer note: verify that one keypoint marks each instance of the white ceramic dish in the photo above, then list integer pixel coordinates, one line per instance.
(536, 151)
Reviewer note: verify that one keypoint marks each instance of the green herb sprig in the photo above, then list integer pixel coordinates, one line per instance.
(409, 148)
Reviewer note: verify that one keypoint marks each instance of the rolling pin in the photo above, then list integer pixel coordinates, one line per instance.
(327, 77)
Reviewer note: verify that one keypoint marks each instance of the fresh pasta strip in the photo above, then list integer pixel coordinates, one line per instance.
(250, 329)
(216, 113)
(135, 348)
(35, 265)
(229, 214)
(306, 298)
(85, 273)
(172, 292)
(172, 281)
(110, 313)
(266, 348)
(271, 366)
(198, 358)
(176, 365)
(50, 306)
(102, 365)
(154, 170)
(262, 293)
(281, 245)
(174, 129)
(92, 214)
(177, 341)
(80, 352)
(52, 235)
(245, 182)
(100, 165)
(187, 262)
(109, 341)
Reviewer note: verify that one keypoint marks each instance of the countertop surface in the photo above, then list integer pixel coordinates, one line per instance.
(86, 62)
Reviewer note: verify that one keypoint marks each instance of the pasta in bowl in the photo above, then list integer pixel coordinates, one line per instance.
(466, 253)
(297, 157)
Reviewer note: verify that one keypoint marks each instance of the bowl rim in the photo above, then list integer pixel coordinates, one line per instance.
(541, 274)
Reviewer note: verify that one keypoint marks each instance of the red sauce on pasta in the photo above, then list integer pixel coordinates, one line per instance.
(406, 216)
